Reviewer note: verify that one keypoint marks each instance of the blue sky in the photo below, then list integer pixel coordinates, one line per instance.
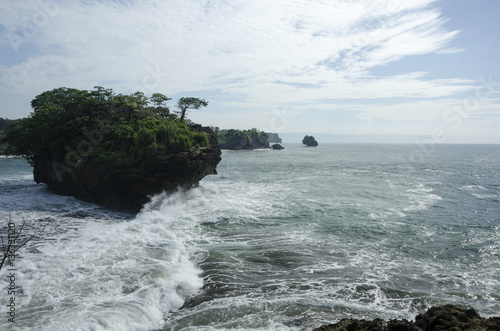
(427, 68)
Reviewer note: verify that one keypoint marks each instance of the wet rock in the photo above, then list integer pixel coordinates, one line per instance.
(130, 188)
(440, 318)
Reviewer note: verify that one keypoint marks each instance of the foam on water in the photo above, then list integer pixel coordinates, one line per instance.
(274, 242)
(92, 273)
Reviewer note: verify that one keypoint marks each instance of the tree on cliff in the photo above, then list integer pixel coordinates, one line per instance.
(160, 102)
(186, 103)
(309, 141)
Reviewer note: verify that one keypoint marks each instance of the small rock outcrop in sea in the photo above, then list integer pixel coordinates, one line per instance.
(440, 318)
(309, 141)
(277, 147)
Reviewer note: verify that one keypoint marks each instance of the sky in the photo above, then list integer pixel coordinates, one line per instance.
(371, 68)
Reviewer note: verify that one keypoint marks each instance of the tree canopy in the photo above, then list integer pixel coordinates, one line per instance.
(186, 103)
(160, 102)
(75, 125)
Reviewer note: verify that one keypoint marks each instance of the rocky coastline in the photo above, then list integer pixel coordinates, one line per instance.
(442, 318)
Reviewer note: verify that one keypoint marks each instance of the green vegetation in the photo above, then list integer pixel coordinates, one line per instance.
(190, 103)
(4, 128)
(77, 126)
(309, 141)
(242, 139)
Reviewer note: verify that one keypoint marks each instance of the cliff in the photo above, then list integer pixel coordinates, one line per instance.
(273, 138)
(113, 150)
(129, 187)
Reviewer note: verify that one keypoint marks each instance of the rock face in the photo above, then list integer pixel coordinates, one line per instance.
(441, 318)
(130, 188)
(277, 147)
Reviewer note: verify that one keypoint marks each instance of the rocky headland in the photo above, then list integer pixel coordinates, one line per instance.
(242, 139)
(441, 318)
(109, 149)
(273, 138)
(129, 188)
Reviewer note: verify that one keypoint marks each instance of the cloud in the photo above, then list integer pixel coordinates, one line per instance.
(255, 54)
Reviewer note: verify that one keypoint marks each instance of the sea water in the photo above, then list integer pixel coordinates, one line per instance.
(278, 240)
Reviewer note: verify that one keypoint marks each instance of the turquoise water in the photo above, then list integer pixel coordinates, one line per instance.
(278, 240)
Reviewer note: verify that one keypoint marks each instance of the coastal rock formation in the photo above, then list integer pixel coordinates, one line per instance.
(130, 187)
(440, 318)
(277, 147)
(309, 141)
(112, 149)
(273, 138)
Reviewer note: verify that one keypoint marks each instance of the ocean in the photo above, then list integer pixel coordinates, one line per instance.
(278, 240)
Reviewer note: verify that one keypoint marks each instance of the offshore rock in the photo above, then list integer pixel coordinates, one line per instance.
(277, 147)
(441, 318)
(130, 188)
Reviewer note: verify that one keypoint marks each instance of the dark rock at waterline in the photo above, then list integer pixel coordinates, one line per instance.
(277, 147)
(440, 318)
(129, 188)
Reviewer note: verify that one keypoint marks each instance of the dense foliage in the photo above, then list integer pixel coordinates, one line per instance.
(75, 126)
(242, 139)
(186, 103)
(4, 128)
(309, 141)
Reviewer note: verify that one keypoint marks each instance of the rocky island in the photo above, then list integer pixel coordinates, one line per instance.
(112, 149)
(309, 141)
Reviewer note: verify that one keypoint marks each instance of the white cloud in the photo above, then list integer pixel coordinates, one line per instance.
(257, 54)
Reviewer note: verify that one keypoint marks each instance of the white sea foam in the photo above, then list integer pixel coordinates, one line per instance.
(284, 241)
(111, 274)
(421, 198)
